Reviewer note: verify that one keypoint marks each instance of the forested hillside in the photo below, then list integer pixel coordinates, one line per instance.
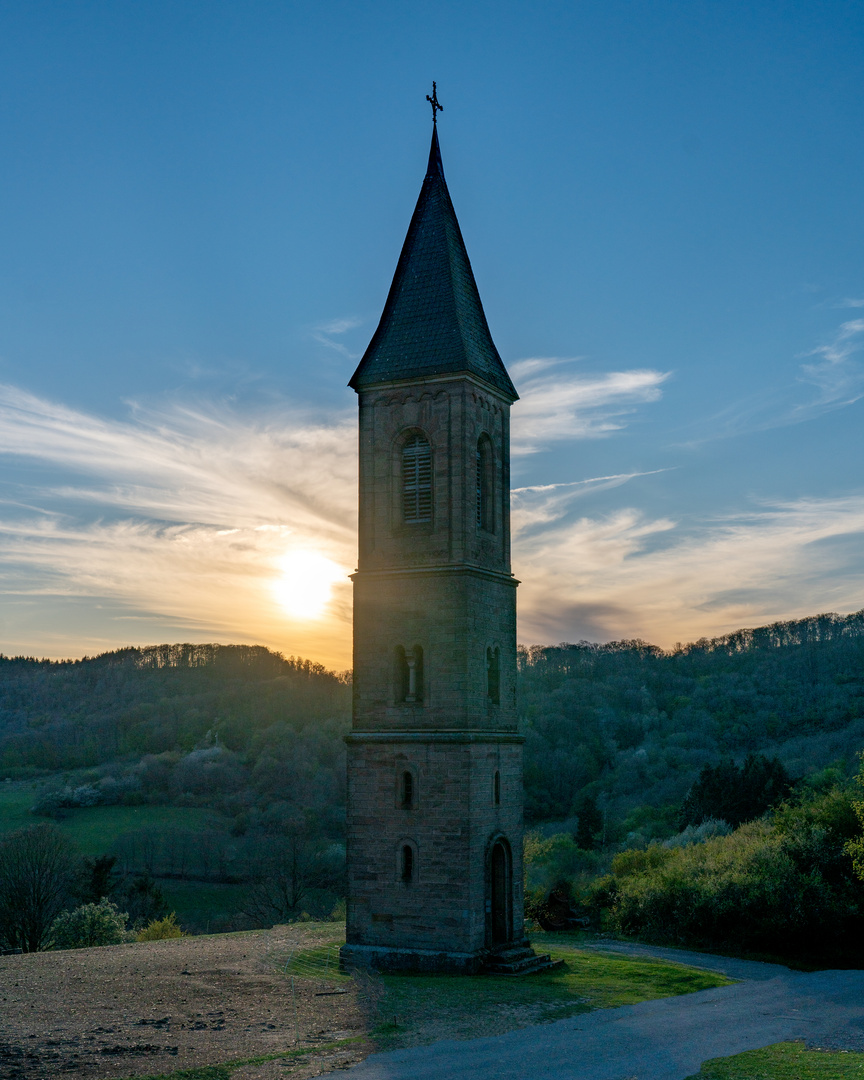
(251, 742)
(240, 727)
(634, 724)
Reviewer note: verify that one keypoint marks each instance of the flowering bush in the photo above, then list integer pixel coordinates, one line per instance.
(161, 929)
(88, 925)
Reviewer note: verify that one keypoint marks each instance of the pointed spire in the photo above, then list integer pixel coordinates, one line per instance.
(435, 168)
(433, 321)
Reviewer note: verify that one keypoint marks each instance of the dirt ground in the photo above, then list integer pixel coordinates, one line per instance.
(153, 1007)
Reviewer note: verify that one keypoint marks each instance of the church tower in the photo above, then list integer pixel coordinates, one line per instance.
(434, 756)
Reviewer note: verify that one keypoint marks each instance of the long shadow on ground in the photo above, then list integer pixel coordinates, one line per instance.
(655, 1040)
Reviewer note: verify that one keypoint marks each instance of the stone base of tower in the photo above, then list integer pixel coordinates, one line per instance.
(514, 958)
(434, 877)
(385, 958)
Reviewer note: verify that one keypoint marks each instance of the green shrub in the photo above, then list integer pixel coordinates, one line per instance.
(553, 859)
(854, 846)
(640, 860)
(89, 925)
(161, 929)
(783, 885)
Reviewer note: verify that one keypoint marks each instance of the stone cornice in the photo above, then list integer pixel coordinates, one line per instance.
(436, 736)
(446, 568)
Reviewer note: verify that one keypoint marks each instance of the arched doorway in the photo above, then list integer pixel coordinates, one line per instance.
(501, 905)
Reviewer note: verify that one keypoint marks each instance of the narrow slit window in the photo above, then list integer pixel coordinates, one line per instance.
(407, 863)
(407, 789)
(416, 480)
(485, 485)
(493, 675)
(496, 788)
(481, 490)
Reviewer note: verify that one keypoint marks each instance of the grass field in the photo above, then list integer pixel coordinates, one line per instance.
(93, 829)
(412, 1010)
(15, 803)
(785, 1061)
(202, 906)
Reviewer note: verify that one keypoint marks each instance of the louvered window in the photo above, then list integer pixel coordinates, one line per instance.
(416, 480)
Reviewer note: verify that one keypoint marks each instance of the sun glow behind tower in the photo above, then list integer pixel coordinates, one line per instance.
(306, 586)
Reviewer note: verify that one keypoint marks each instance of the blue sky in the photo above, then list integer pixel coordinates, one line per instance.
(201, 207)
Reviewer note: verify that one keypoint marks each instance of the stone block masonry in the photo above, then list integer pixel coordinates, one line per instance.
(458, 812)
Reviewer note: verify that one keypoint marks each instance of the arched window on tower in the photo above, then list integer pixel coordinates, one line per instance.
(416, 480)
(493, 675)
(407, 863)
(485, 485)
(407, 786)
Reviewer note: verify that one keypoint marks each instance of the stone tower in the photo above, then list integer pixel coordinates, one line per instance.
(434, 757)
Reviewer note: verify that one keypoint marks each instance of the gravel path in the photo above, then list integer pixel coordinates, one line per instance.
(655, 1040)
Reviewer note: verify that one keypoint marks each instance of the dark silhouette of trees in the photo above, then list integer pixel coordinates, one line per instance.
(38, 874)
(735, 794)
(589, 828)
(142, 899)
(98, 878)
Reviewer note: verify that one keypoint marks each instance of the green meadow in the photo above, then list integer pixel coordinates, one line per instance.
(93, 829)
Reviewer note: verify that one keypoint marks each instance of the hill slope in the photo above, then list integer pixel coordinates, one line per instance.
(258, 738)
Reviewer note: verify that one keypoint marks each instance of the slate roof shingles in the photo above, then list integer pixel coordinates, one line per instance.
(433, 321)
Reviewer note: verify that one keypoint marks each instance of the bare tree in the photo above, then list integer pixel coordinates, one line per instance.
(37, 877)
(289, 872)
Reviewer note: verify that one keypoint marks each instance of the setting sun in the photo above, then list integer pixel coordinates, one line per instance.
(306, 584)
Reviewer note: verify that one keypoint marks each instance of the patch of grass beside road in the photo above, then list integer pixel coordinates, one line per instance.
(421, 1008)
(785, 1061)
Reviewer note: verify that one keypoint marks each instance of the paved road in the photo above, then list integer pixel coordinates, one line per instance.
(656, 1040)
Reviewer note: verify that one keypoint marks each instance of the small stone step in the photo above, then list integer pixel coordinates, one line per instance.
(513, 954)
(520, 962)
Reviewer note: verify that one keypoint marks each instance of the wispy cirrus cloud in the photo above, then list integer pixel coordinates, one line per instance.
(628, 574)
(558, 403)
(186, 512)
(536, 506)
(836, 374)
(838, 378)
(179, 520)
(325, 333)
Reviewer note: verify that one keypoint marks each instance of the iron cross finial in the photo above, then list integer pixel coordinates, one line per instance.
(433, 101)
